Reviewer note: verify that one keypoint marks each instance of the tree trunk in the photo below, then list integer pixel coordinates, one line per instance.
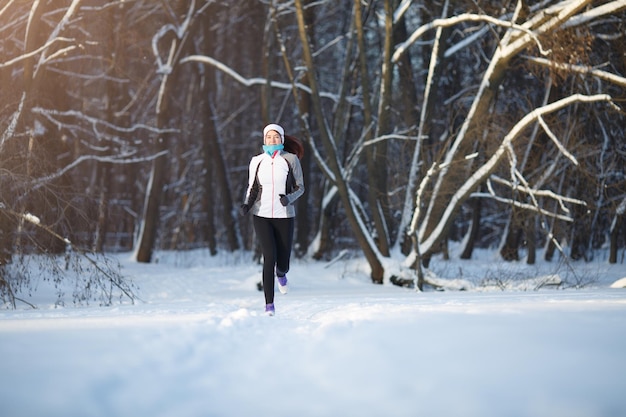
(370, 252)
(377, 153)
(472, 233)
(451, 177)
(531, 239)
(210, 231)
(324, 234)
(6, 239)
(423, 132)
(616, 228)
(580, 227)
(509, 250)
(303, 221)
(154, 189)
(104, 173)
(169, 77)
(221, 177)
(152, 204)
(410, 115)
(376, 167)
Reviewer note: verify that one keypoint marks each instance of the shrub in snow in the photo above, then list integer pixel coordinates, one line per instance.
(78, 278)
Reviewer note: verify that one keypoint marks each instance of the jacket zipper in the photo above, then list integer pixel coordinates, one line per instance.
(273, 183)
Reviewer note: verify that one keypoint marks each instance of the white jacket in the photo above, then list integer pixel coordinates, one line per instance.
(268, 178)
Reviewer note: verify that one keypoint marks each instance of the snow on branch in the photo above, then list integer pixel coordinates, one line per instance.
(6, 7)
(402, 9)
(538, 193)
(490, 165)
(28, 55)
(10, 130)
(531, 207)
(547, 20)
(52, 114)
(249, 82)
(363, 221)
(179, 31)
(31, 218)
(60, 52)
(162, 68)
(603, 10)
(383, 138)
(59, 27)
(451, 21)
(321, 163)
(107, 274)
(117, 159)
(474, 37)
(621, 209)
(556, 141)
(581, 69)
(355, 154)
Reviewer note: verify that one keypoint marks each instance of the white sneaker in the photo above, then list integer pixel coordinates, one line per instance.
(282, 284)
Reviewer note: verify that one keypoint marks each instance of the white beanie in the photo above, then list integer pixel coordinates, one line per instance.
(278, 128)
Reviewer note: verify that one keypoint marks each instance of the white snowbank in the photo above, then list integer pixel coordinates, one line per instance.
(198, 345)
(620, 283)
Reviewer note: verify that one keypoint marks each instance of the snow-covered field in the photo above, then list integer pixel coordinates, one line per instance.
(198, 344)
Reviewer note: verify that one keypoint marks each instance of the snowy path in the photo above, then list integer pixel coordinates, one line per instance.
(201, 347)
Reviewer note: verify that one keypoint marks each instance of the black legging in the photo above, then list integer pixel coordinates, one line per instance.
(275, 237)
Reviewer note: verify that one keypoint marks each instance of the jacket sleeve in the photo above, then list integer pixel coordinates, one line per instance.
(295, 178)
(252, 192)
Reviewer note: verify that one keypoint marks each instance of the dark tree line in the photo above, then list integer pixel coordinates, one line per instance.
(129, 125)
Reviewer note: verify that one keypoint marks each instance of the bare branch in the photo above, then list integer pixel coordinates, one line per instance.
(451, 21)
(556, 141)
(59, 27)
(25, 56)
(111, 277)
(486, 169)
(581, 69)
(600, 11)
(94, 121)
(10, 130)
(117, 159)
(249, 82)
(540, 193)
(524, 206)
(6, 7)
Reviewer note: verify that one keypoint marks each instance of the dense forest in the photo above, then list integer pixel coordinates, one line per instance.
(128, 125)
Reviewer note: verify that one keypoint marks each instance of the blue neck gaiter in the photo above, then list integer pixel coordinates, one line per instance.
(270, 149)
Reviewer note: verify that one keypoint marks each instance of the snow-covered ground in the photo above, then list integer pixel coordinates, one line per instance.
(198, 344)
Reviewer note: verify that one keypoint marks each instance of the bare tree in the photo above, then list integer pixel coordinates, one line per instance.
(451, 190)
(172, 38)
(500, 123)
